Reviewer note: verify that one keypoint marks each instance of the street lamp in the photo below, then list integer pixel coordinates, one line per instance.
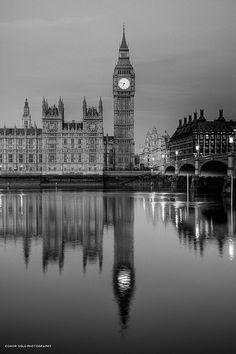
(231, 168)
(176, 153)
(197, 149)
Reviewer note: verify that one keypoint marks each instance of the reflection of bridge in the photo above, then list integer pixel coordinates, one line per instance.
(198, 223)
(210, 165)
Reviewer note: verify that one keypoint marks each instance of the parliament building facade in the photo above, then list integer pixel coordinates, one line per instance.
(75, 147)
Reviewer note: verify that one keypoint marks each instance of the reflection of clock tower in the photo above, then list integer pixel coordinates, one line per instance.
(123, 269)
(123, 92)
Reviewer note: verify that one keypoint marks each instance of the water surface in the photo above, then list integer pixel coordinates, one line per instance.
(117, 272)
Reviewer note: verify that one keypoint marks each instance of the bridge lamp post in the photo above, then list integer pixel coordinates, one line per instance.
(197, 160)
(197, 149)
(176, 161)
(231, 142)
(163, 163)
(176, 154)
(231, 169)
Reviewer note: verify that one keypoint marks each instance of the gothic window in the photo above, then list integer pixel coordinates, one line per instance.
(21, 159)
(79, 157)
(40, 158)
(72, 159)
(51, 158)
(65, 141)
(91, 158)
(31, 158)
(20, 142)
(10, 142)
(52, 146)
(72, 143)
(10, 158)
(79, 142)
(65, 157)
(30, 143)
(0, 158)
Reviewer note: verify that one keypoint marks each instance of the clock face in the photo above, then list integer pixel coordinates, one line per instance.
(124, 83)
(92, 127)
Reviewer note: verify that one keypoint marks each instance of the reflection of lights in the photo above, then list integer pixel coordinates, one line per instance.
(163, 211)
(152, 197)
(176, 218)
(21, 203)
(144, 204)
(180, 215)
(197, 231)
(231, 249)
(206, 228)
(124, 279)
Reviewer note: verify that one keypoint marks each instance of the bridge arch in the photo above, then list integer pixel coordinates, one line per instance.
(170, 170)
(187, 168)
(213, 168)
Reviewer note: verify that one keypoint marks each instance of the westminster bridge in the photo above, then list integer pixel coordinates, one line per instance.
(202, 165)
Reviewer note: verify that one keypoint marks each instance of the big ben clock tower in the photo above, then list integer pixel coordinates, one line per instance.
(123, 93)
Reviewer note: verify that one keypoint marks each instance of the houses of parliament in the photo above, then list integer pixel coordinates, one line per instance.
(77, 147)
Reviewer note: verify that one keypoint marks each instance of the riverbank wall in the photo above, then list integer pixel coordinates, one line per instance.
(134, 180)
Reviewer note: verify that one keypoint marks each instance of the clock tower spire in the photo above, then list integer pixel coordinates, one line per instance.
(123, 95)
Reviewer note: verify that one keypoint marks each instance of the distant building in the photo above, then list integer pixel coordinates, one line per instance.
(154, 150)
(75, 147)
(198, 136)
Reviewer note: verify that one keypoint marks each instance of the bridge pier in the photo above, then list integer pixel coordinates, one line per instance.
(196, 164)
(230, 170)
(176, 168)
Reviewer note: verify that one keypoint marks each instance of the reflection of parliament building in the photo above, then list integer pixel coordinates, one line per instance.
(75, 147)
(65, 220)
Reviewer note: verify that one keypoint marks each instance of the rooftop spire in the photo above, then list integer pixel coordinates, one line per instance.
(124, 45)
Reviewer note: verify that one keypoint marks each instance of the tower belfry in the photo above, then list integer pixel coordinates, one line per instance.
(123, 94)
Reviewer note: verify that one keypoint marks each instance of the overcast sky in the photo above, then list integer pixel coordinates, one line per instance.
(183, 52)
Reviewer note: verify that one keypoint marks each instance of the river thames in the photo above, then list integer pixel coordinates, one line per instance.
(117, 272)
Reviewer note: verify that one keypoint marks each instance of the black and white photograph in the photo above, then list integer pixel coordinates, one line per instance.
(118, 176)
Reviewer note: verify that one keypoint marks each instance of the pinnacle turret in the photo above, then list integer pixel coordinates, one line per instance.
(26, 108)
(26, 118)
(100, 106)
